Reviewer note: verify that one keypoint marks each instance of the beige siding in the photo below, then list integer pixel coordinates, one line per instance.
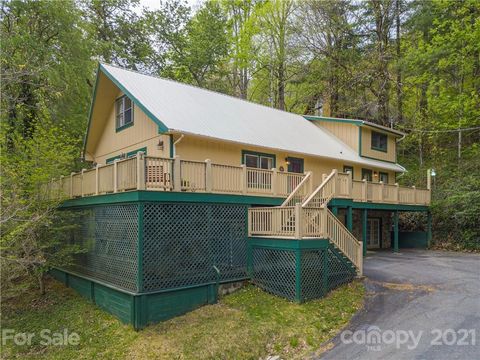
(367, 148)
(346, 132)
(197, 148)
(143, 133)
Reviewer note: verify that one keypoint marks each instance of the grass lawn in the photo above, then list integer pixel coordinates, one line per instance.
(248, 324)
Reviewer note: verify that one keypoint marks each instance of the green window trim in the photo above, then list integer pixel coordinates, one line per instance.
(377, 145)
(129, 155)
(347, 168)
(130, 123)
(256, 153)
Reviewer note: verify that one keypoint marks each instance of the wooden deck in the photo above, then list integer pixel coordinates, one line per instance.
(167, 174)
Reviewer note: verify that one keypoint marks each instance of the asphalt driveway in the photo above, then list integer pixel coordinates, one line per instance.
(420, 305)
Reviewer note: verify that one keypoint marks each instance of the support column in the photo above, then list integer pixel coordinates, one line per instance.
(395, 231)
(335, 211)
(364, 230)
(429, 228)
(350, 218)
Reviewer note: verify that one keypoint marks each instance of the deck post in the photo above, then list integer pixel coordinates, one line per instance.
(61, 191)
(350, 184)
(274, 182)
(397, 198)
(382, 192)
(298, 276)
(298, 221)
(140, 171)
(115, 175)
(429, 228)
(395, 231)
(334, 187)
(244, 178)
(81, 183)
(177, 176)
(97, 179)
(71, 184)
(350, 218)
(335, 211)
(364, 190)
(429, 179)
(360, 261)
(414, 194)
(310, 182)
(208, 176)
(364, 230)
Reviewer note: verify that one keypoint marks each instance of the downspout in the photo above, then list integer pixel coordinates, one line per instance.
(396, 151)
(176, 142)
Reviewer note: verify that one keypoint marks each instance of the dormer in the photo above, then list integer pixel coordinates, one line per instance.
(368, 139)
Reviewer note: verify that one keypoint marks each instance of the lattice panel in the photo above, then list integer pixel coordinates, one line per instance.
(339, 270)
(182, 243)
(274, 271)
(110, 235)
(312, 272)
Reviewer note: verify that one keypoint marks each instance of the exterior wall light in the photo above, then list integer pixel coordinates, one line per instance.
(160, 145)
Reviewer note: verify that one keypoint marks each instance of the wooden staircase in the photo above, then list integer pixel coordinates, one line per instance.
(305, 214)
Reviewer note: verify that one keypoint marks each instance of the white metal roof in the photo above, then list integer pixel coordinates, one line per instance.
(192, 110)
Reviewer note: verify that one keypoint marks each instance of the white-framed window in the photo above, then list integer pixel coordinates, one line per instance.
(258, 161)
(123, 112)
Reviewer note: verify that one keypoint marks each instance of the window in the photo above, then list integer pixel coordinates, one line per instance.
(367, 174)
(379, 141)
(348, 169)
(123, 113)
(295, 165)
(383, 177)
(258, 160)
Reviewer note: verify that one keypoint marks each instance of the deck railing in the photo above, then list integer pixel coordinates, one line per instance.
(389, 193)
(324, 192)
(299, 222)
(300, 193)
(165, 174)
(341, 185)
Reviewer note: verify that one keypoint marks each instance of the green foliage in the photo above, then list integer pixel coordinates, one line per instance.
(45, 67)
(33, 232)
(118, 33)
(194, 46)
(442, 93)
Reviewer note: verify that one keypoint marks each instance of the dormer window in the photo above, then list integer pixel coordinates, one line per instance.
(379, 141)
(123, 113)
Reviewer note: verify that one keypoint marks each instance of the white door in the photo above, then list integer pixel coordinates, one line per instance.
(373, 233)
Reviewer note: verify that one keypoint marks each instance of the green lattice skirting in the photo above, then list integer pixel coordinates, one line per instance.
(298, 270)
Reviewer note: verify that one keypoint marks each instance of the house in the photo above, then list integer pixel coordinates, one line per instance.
(191, 190)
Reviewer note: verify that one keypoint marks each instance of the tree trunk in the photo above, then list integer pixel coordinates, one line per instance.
(281, 86)
(399, 69)
(41, 283)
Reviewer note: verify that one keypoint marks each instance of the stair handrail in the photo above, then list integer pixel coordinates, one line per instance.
(354, 255)
(290, 200)
(320, 187)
